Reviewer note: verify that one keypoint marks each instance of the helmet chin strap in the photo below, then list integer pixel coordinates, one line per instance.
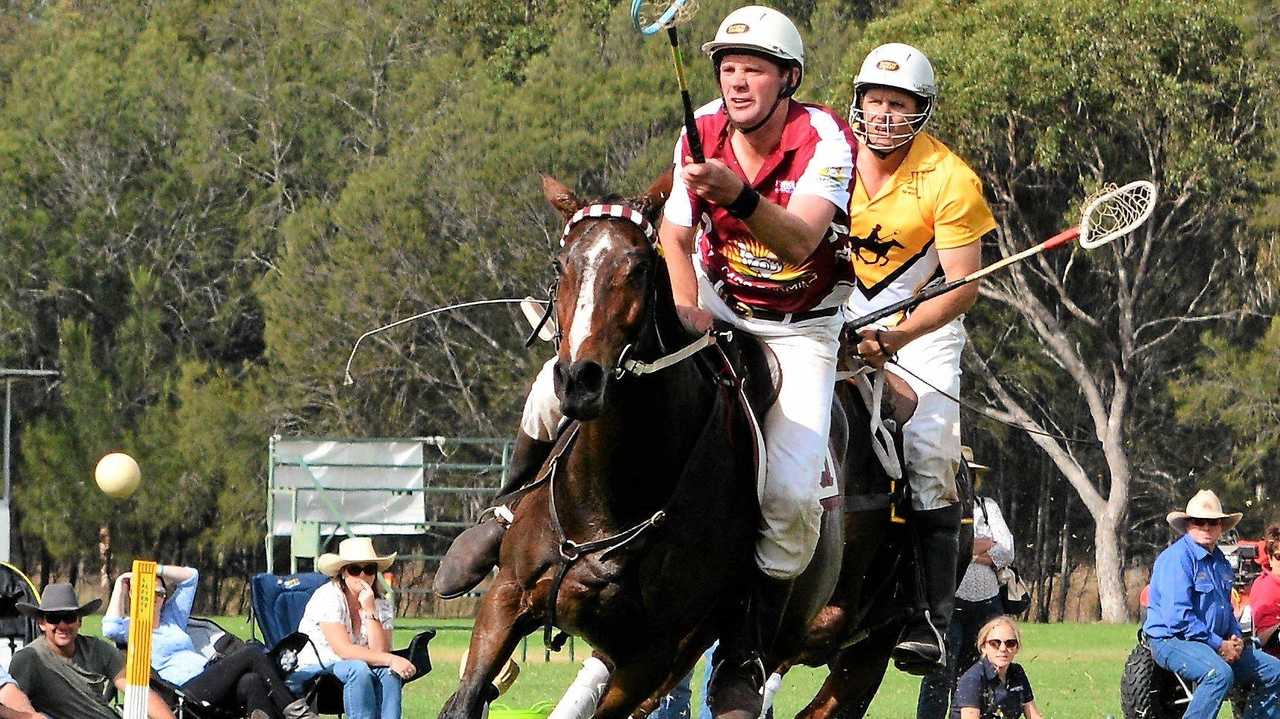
(882, 154)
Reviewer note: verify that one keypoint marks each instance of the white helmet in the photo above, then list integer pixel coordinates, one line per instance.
(758, 29)
(902, 67)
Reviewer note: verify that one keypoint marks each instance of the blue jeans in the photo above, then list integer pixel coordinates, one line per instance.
(1198, 663)
(937, 687)
(367, 692)
(676, 704)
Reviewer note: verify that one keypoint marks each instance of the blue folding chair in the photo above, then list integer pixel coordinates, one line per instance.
(276, 605)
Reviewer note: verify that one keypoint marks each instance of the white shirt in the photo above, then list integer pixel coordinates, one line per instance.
(328, 606)
(980, 581)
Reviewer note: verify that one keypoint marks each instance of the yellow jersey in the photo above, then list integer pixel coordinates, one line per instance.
(933, 200)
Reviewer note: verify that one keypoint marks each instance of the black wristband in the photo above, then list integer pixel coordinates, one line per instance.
(744, 204)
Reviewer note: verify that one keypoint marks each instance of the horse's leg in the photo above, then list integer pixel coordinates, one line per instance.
(642, 682)
(498, 628)
(855, 677)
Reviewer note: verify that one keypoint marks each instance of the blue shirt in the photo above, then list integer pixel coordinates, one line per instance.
(173, 656)
(5, 678)
(1190, 595)
(980, 687)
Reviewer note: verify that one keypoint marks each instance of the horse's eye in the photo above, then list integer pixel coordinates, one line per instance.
(558, 266)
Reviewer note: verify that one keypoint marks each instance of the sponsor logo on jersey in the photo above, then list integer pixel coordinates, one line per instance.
(786, 187)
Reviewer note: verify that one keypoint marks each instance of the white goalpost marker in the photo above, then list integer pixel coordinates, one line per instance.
(142, 604)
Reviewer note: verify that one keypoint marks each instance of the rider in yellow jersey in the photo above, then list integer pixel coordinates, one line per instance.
(916, 214)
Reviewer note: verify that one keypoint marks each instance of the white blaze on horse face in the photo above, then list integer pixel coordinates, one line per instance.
(586, 304)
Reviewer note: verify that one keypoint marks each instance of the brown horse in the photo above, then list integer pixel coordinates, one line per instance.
(640, 527)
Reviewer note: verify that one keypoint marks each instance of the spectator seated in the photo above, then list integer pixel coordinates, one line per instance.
(277, 604)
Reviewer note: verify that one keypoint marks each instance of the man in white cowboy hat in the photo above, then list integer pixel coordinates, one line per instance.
(1190, 626)
(68, 675)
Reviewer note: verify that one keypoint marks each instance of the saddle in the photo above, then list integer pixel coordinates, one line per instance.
(754, 364)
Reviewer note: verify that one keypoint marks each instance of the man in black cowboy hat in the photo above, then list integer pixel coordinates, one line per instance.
(67, 675)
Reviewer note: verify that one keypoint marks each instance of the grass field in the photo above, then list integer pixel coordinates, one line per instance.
(1074, 670)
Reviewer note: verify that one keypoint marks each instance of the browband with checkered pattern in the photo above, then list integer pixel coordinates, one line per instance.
(622, 212)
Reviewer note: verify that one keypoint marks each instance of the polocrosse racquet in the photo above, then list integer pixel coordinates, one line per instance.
(651, 16)
(1114, 213)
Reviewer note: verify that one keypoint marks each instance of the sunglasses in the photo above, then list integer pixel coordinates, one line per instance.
(1010, 644)
(1198, 522)
(356, 570)
(57, 618)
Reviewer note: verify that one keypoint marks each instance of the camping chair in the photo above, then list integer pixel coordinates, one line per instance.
(16, 629)
(212, 641)
(276, 605)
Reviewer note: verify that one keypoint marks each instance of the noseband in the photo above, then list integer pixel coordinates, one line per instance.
(626, 365)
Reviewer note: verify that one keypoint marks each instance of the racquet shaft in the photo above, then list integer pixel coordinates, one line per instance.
(690, 125)
(929, 293)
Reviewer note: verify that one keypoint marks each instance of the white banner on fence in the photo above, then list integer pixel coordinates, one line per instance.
(388, 475)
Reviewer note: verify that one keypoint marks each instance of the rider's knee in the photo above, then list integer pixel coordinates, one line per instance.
(792, 500)
(1217, 680)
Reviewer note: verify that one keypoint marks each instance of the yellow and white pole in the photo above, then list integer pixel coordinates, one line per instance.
(142, 606)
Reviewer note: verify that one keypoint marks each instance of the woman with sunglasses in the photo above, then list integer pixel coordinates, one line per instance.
(1264, 595)
(241, 681)
(996, 686)
(349, 622)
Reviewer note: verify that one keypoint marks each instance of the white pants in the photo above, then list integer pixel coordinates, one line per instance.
(931, 439)
(795, 431)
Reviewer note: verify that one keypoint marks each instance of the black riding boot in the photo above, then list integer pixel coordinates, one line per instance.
(474, 553)
(922, 647)
(737, 681)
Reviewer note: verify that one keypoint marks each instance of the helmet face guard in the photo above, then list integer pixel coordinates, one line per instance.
(897, 67)
(899, 128)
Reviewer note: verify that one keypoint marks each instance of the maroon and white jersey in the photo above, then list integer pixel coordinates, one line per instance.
(815, 157)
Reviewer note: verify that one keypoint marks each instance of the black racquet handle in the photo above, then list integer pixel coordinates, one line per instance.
(690, 125)
(927, 293)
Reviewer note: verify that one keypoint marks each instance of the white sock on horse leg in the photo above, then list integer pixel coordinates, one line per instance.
(583, 695)
(771, 687)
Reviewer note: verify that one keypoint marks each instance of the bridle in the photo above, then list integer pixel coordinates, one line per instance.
(626, 365)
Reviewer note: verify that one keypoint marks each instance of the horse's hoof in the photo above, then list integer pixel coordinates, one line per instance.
(469, 560)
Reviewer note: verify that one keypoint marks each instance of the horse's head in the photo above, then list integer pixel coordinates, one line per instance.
(606, 289)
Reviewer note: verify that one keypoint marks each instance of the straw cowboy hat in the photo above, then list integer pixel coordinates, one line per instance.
(354, 550)
(1205, 505)
(60, 597)
(967, 452)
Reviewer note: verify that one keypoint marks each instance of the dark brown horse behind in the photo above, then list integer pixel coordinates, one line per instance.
(646, 478)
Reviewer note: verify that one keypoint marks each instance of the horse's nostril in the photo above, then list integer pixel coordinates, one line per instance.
(589, 376)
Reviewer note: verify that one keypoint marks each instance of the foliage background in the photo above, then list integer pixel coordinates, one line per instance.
(204, 204)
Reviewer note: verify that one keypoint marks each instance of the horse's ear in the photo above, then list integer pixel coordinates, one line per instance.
(656, 196)
(561, 197)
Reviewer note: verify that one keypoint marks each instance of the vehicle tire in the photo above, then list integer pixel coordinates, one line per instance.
(1148, 691)
(1239, 700)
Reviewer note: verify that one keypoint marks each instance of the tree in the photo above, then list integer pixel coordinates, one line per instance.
(1049, 100)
